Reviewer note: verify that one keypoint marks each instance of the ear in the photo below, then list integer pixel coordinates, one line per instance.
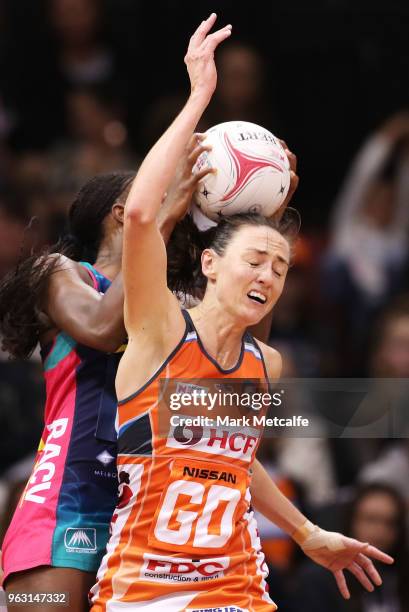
(210, 260)
(118, 212)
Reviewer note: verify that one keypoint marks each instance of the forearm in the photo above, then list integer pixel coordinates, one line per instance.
(271, 503)
(166, 220)
(76, 308)
(158, 168)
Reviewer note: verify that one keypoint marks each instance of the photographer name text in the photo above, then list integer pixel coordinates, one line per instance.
(244, 421)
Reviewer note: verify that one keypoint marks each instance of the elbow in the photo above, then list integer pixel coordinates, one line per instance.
(106, 340)
(107, 345)
(135, 217)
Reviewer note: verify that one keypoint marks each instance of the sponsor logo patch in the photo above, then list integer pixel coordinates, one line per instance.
(80, 540)
(209, 474)
(215, 441)
(176, 569)
(105, 457)
(47, 461)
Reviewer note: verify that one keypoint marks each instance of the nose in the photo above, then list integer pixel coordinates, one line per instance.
(265, 276)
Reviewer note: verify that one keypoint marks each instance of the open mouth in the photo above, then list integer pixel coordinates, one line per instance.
(257, 297)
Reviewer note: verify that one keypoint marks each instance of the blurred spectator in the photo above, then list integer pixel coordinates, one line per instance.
(240, 95)
(365, 262)
(377, 515)
(84, 58)
(390, 355)
(241, 91)
(392, 466)
(308, 461)
(12, 222)
(97, 143)
(372, 213)
(51, 49)
(390, 359)
(158, 117)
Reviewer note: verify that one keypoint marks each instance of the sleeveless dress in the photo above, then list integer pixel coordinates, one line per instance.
(63, 516)
(184, 535)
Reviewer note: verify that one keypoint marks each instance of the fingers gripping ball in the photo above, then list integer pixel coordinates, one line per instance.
(312, 537)
(252, 171)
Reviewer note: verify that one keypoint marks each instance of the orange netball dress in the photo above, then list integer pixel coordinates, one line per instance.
(184, 537)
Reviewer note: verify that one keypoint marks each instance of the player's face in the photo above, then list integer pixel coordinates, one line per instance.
(252, 272)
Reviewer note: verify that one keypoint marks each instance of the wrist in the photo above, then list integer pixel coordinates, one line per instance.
(303, 532)
(311, 537)
(166, 225)
(201, 94)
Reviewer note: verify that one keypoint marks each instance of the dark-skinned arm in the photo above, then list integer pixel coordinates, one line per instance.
(74, 307)
(97, 320)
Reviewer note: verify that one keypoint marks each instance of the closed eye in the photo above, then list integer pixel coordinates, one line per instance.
(278, 272)
(253, 264)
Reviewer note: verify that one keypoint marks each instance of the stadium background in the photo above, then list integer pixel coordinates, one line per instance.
(87, 85)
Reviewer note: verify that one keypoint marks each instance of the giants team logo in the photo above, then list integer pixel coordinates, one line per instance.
(215, 440)
(175, 569)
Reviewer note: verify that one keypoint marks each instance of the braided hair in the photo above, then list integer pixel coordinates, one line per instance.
(23, 290)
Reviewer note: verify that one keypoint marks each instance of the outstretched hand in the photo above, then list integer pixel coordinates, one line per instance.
(179, 195)
(199, 58)
(337, 553)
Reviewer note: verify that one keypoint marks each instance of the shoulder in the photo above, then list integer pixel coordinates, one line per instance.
(67, 268)
(59, 260)
(272, 359)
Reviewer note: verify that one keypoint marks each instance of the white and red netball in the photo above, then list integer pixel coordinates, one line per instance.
(252, 171)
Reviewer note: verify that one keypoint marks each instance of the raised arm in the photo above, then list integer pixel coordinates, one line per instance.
(366, 166)
(148, 302)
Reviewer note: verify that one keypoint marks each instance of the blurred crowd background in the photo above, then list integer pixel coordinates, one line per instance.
(87, 86)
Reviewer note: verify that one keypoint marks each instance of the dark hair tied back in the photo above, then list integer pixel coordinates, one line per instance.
(188, 242)
(71, 246)
(85, 219)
